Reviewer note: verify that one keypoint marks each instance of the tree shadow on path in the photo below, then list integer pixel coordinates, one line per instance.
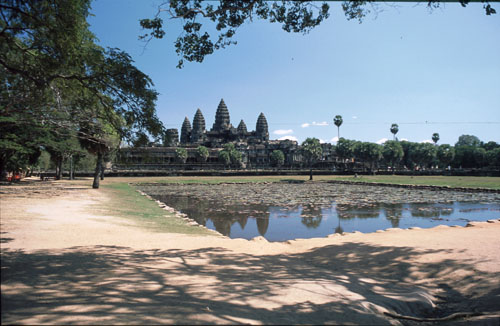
(349, 283)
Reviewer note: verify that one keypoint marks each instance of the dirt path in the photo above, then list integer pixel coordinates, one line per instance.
(64, 262)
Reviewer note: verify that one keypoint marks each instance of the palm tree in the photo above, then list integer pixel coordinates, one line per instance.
(202, 154)
(435, 138)
(338, 122)
(394, 130)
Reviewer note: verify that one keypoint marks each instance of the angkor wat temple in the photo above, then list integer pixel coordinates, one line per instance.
(255, 146)
(222, 131)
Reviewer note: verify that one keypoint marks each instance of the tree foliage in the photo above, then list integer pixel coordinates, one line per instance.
(445, 154)
(202, 153)
(55, 77)
(493, 157)
(277, 158)
(338, 122)
(394, 130)
(141, 139)
(100, 138)
(200, 18)
(468, 140)
(226, 16)
(225, 157)
(392, 152)
(435, 137)
(235, 156)
(423, 154)
(345, 148)
(61, 146)
(181, 154)
(47, 47)
(19, 147)
(311, 152)
(368, 153)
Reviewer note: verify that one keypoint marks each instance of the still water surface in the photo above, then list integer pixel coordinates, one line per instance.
(281, 223)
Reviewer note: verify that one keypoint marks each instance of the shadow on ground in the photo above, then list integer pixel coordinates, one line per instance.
(351, 283)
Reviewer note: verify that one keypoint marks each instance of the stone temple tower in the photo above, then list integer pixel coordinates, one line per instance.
(198, 132)
(221, 118)
(186, 131)
(172, 138)
(261, 130)
(242, 128)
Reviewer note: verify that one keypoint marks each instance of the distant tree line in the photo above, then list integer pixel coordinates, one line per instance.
(469, 152)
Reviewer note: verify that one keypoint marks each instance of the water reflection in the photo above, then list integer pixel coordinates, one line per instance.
(393, 213)
(420, 210)
(339, 229)
(277, 223)
(262, 225)
(311, 216)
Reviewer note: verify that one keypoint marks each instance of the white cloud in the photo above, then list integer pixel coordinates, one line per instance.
(334, 139)
(354, 117)
(289, 138)
(283, 132)
(427, 141)
(403, 139)
(314, 123)
(381, 141)
(322, 141)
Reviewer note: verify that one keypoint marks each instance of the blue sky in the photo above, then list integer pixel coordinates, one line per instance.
(426, 71)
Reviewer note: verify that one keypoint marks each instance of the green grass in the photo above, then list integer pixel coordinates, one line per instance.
(128, 203)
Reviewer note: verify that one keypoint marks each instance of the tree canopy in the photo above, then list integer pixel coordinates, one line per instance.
(202, 153)
(55, 77)
(394, 129)
(48, 52)
(392, 152)
(277, 158)
(312, 152)
(200, 18)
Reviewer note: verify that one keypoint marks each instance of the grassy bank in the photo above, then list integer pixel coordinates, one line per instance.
(126, 202)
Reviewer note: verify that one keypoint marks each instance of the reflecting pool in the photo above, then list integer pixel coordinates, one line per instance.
(277, 223)
(281, 212)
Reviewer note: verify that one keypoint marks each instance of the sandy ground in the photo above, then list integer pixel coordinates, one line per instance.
(63, 262)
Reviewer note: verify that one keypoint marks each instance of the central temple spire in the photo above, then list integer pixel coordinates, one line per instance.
(261, 129)
(222, 121)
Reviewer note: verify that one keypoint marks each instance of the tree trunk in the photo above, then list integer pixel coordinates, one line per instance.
(2, 169)
(71, 168)
(98, 170)
(59, 169)
(103, 167)
(310, 173)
